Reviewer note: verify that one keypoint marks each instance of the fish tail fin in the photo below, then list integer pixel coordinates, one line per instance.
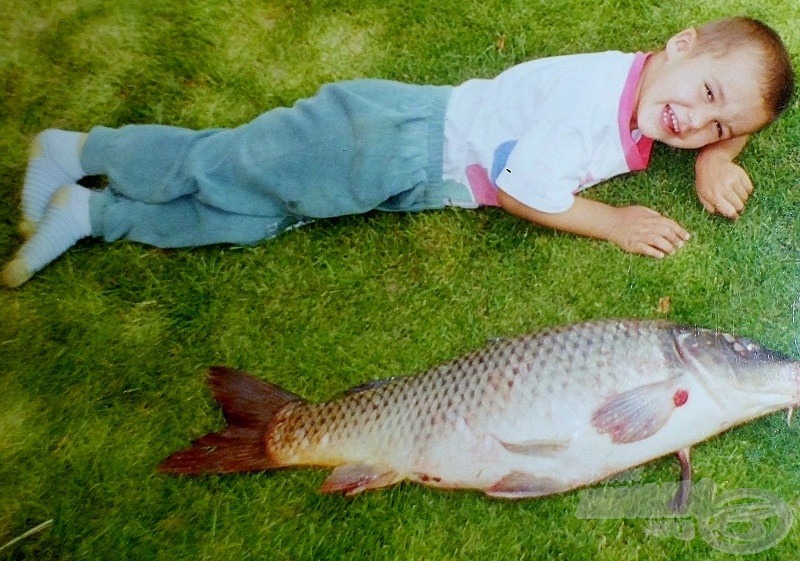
(249, 406)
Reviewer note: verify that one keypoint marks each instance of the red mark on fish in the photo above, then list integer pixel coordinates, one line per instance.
(680, 398)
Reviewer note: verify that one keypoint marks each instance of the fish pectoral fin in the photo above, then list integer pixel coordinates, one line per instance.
(637, 414)
(352, 479)
(536, 447)
(521, 484)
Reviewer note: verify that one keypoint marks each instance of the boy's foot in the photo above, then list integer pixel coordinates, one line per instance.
(54, 161)
(65, 221)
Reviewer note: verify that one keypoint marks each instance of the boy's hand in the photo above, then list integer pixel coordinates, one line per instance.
(636, 229)
(639, 229)
(722, 185)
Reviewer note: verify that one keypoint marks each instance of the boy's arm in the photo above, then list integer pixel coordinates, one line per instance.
(722, 185)
(636, 229)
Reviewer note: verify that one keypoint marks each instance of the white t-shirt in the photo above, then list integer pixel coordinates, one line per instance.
(546, 129)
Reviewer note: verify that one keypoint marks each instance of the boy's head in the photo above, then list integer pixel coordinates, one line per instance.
(731, 35)
(728, 78)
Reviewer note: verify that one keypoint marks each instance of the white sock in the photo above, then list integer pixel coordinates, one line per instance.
(54, 162)
(65, 221)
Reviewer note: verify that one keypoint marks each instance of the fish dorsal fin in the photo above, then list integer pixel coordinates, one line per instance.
(536, 447)
(639, 413)
(373, 385)
(351, 479)
(496, 340)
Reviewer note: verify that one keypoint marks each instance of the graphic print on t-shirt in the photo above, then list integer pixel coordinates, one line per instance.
(483, 184)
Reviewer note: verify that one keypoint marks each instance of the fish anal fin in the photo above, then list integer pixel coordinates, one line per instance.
(639, 413)
(536, 447)
(352, 479)
(521, 484)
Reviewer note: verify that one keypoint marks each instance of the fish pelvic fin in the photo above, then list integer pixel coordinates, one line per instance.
(523, 485)
(641, 412)
(352, 479)
(249, 406)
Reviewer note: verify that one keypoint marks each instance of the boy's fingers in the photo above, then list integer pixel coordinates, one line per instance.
(730, 207)
(736, 202)
(736, 196)
(666, 241)
(663, 245)
(654, 235)
(650, 251)
(676, 232)
(747, 186)
(740, 194)
(707, 204)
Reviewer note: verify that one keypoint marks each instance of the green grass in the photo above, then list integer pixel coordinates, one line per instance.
(103, 353)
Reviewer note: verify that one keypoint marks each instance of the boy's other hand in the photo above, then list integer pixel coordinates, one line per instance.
(635, 229)
(722, 185)
(639, 229)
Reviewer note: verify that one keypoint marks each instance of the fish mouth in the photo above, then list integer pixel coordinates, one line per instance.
(669, 121)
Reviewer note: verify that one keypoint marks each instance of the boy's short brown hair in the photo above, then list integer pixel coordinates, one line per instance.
(723, 36)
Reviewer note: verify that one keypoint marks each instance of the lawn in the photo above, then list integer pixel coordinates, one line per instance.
(104, 352)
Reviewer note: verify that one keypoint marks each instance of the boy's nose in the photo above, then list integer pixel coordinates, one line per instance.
(701, 117)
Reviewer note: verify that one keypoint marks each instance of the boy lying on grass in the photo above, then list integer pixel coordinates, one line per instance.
(528, 141)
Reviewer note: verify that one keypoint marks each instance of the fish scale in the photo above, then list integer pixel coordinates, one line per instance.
(522, 417)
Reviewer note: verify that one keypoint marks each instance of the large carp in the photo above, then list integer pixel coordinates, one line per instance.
(522, 417)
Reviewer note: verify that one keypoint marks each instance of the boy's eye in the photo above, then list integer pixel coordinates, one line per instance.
(720, 131)
(709, 93)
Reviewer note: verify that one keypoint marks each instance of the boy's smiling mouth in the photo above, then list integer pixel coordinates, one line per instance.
(670, 121)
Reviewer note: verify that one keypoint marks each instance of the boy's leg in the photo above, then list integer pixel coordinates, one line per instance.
(76, 212)
(183, 222)
(147, 163)
(346, 150)
(354, 147)
(65, 221)
(54, 162)
(161, 181)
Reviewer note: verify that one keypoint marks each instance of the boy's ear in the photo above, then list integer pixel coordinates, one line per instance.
(681, 43)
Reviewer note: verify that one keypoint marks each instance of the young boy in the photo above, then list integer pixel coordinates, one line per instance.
(528, 140)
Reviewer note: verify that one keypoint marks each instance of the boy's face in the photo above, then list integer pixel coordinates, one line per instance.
(691, 101)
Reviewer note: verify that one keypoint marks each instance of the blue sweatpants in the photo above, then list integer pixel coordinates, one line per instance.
(351, 148)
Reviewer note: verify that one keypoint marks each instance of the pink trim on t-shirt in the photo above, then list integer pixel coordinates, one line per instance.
(637, 154)
(482, 189)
